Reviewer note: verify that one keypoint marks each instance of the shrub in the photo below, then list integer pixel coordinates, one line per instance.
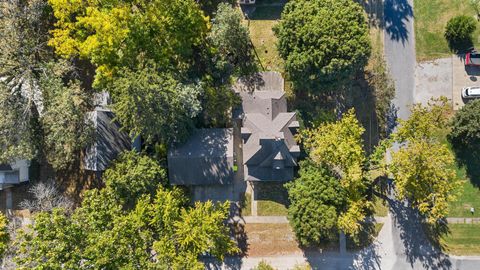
(459, 30)
(263, 266)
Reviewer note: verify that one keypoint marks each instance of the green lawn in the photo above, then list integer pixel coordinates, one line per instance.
(264, 41)
(431, 17)
(469, 196)
(464, 239)
(272, 199)
(271, 208)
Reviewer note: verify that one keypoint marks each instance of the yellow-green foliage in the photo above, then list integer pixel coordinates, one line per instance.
(115, 33)
(423, 167)
(4, 236)
(339, 145)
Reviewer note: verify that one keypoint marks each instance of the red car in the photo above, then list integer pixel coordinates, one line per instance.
(472, 58)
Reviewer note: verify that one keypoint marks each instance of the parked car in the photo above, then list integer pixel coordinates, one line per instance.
(471, 92)
(472, 58)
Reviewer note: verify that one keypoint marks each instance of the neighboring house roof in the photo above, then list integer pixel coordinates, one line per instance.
(14, 173)
(269, 148)
(108, 142)
(5, 167)
(205, 159)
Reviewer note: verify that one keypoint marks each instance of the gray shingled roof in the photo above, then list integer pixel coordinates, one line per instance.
(109, 141)
(5, 167)
(205, 159)
(269, 148)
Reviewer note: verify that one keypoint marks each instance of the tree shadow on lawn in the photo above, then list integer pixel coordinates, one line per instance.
(470, 159)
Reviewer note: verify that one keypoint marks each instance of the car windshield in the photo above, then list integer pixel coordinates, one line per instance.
(475, 58)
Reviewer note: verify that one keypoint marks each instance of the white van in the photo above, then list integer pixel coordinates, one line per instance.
(471, 92)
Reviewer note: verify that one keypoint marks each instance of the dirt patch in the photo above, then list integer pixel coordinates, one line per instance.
(271, 240)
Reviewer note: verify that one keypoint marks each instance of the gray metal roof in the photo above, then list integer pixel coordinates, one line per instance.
(269, 148)
(205, 159)
(109, 141)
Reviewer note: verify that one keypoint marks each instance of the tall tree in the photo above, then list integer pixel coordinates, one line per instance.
(115, 34)
(155, 105)
(423, 167)
(323, 41)
(231, 41)
(317, 199)
(24, 27)
(65, 128)
(465, 132)
(339, 146)
(133, 175)
(159, 232)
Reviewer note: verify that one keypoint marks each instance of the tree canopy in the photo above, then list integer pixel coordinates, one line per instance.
(423, 167)
(155, 105)
(465, 131)
(114, 34)
(339, 146)
(160, 232)
(323, 41)
(133, 175)
(316, 201)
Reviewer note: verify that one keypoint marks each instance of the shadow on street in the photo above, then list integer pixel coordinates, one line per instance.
(396, 14)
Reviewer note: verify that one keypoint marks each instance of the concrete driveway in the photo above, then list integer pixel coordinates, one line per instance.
(462, 76)
(433, 79)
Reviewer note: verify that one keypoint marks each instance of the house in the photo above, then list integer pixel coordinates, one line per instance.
(269, 149)
(265, 144)
(109, 140)
(14, 173)
(269, 152)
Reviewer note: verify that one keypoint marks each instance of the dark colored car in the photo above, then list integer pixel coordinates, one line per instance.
(472, 58)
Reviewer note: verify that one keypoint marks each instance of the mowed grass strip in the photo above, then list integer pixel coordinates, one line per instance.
(264, 40)
(271, 208)
(431, 17)
(464, 239)
(469, 196)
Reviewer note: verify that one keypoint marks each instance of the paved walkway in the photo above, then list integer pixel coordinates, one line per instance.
(457, 220)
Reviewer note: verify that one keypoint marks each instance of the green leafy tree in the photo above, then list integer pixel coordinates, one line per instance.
(66, 132)
(317, 199)
(465, 138)
(465, 131)
(116, 34)
(24, 27)
(424, 175)
(159, 232)
(231, 40)
(339, 146)
(323, 41)
(423, 167)
(15, 126)
(263, 265)
(133, 175)
(155, 105)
